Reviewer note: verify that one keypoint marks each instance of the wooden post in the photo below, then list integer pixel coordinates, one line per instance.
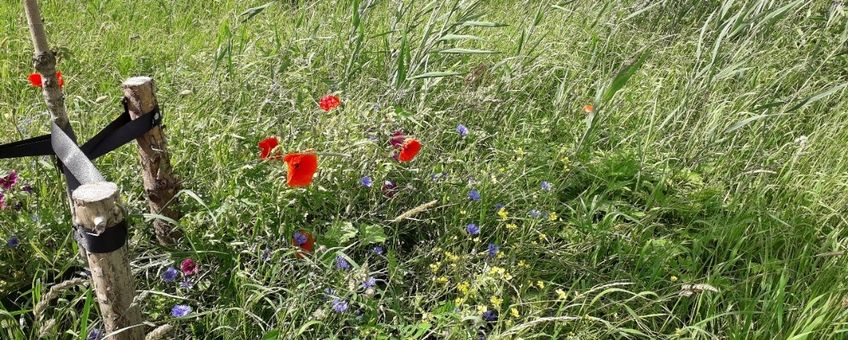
(160, 184)
(98, 210)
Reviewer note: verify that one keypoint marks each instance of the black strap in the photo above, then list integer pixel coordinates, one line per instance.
(36, 146)
(113, 238)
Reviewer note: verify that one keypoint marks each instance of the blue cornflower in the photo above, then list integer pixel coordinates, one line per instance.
(473, 229)
(94, 334)
(546, 186)
(300, 239)
(341, 263)
(186, 283)
(339, 305)
(370, 282)
(493, 249)
(379, 250)
(330, 292)
(180, 311)
(13, 242)
(499, 206)
(535, 213)
(170, 274)
(490, 315)
(474, 195)
(462, 130)
(366, 181)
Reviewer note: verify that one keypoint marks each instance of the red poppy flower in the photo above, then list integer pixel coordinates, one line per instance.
(588, 108)
(409, 149)
(303, 240)
(266, 146)
(302, 167)
(35, 79)
(329, 102)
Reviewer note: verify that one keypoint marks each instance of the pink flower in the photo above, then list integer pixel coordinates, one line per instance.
(189, 267)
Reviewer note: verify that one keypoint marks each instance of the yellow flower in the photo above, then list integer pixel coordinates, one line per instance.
(442, 280)
(462, 212)
(434, 267)
(513, 312)
(507, 276)
(481, 309)
(543, 237)
(503, 214)
(459, 301)
(540, 284)
(511, 226)
(463, 287)
(522, 264)
(451, 257)
(561, 294)
(552, 216)
(476, 239)
(673, 278)
(495, 270)
(496, 301)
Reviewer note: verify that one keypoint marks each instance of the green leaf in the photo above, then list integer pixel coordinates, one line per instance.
(252, 12)
(341, 232)
(450, 37)
(436, 74)
(474, 23)
(816, 97)
(272, 335)
(373, 233)
(623, 76)
(466, 51)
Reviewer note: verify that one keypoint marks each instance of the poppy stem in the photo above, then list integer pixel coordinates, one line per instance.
(333, 154)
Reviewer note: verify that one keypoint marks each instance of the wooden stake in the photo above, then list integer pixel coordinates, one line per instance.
(160, 184)
(98, 210)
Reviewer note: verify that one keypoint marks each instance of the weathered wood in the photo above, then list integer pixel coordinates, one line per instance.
(160, 184)
(97, 209)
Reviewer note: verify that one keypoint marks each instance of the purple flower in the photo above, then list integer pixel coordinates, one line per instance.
(180, 311)
(2, 201)
(379, 250)
(7, 182)
(535, 213)
(499, 206)
(366, 181)
(473, 229)
(546, 186)
(186, 283)
(94, 334)
(493, 249)
(13, 242)
(300, 239)
(189, 267)
(339, 305)
(341, 263)
(27, 188)
(462, 130)
(436, 177)
(474, 195)
(397, 139)
(389, 189)
(370, 282)
(170, 274)
(490, 315)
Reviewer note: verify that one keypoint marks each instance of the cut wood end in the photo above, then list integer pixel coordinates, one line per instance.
(95, 192)
(137, 81)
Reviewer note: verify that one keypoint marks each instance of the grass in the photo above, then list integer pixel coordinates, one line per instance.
(714, 155)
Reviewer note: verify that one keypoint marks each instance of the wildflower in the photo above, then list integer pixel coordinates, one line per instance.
(442, 280)
(341, 263)
(409, 149)
(496, 301)
(535, 213)
(462, 130)
(339, 305)
(493, 249)
(503, 214)
(481, 309)
(552, 216)
(561, 294)
(366, 181)
(94, 334)
(499, 206)
(673, 278)
(588, 108)
(474, 195)
(543, 237)
(378, 250)
(511, 226)
(303, 240)
(7, 182)
(370, 282)
(302, 167)
(180, 311)
(523, 264)
(329, 102)
(513, 312)
(189, 267)
(267, 146)
(186, 283)
(389, 189)
(546, 186)
(27, 188)
(451, 257)
(490, 315)
(13, 242)
(463, 287)
(170, 274)
(473, 229)
(540, 284)
(330, 292)
(434, 267)
(397, 139)
(35, 79)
